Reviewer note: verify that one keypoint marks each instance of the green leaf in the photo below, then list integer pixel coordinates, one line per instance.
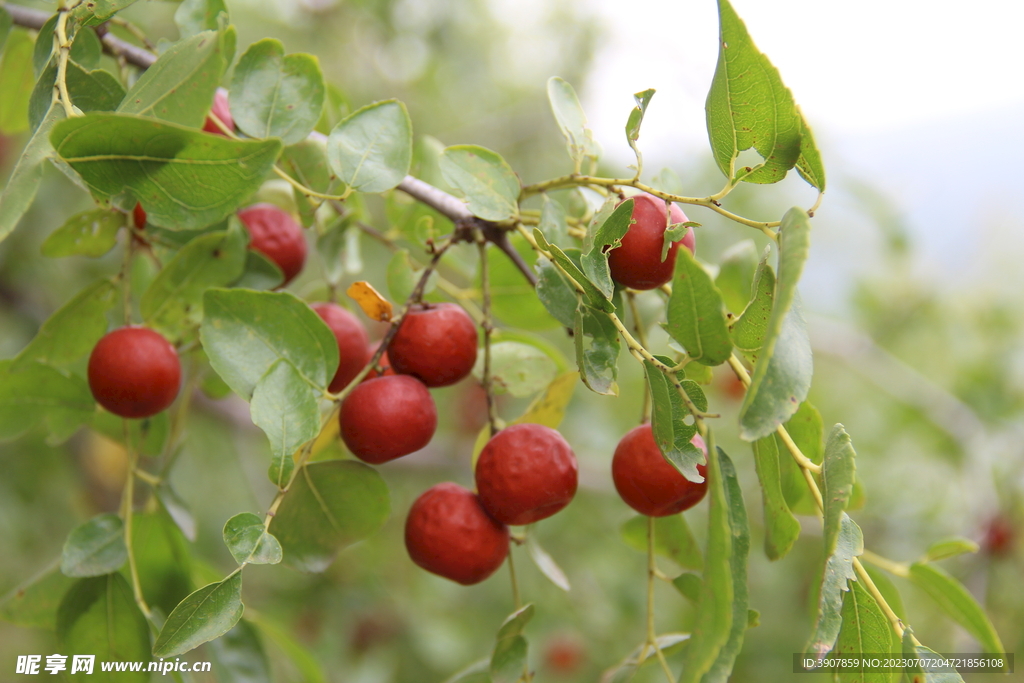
(90, 233)
(16, 79)
(837, 475)
(781, 527)
(809, 165)
(889, 592)
(95, 12)
(477, 672)
(696, 314)
(489, 184)
(749, 107)
(208, 613)
(186, 179)
(89, 90)
(33, 604)
(73, 330)
(553, 221)
(636, 118)
(239, 657)
(99, 616)
(713, 628)
(21, 187)
(668, 420)
(736, 271)
(603, 237)
(624, 672)
(866, 630)
(555, 293)
(246, 332)
(597, 358)
(672, 539)
(546, 564)
(259, 273)
(950, 547)
(95, 548)
(807, 431)
(249, 542)
(579, 141)
(148, 434)
(179, 86)
(174, 300)
(782, 375)
(571, 268)
(688, 585)
(933, 673)
(38, 393)
(951, 596)
(306, 161)
(517, 368)
(750, 329)
(304, 662)
(510, 648)
(838, 570)
(195, 16)
(515, 622)
(371, 149)
(276, 95)
(331, 505)
(285, 407)
(162, 558)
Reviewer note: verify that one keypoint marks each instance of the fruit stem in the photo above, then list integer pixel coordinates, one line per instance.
(125, 275)
(128, 503)
(652, 634)
(895, 568)
(488, 328)
(516, 599)
(63, 46)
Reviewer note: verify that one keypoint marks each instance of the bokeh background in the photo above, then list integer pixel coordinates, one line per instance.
(912, 292)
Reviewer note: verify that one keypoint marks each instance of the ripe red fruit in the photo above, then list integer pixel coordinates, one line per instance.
(352, 341)
(139, 216)
(564, 654)
(449, 533)
(388, 417)
(999, 537)
(436, 344)
(525, 473)
(220, 110)
(637, 262)
(648, 483)
(276, 235)
(134, 372)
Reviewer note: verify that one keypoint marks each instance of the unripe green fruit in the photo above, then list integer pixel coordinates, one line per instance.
(134, 372)
(449, 533)
(647, 482)
(637, 263)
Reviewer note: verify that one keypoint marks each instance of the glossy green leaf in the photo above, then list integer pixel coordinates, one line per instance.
(306, 161)
(195, 16)
(96, 12)
(636, 118)
(808, 164)
(208, 613)
(749, 107)
(955, 600)
(950, 547)
(750, 329)
(285, 407)
(162, 558)
(837, 475)
(553, 221)
(179, 87)
(735, 277)
(546, 564)
(670, 420)
(508, 660)
(99, 616)
(602, 237)
(597, 350)
(688, 585)
(276, 95)
(259, 273)
(782, 375)
(579, 140)
(485, 179)
(571, 268)
(672, 539)
(16, 79)
(808, 433)
(73, 330)
(246, 332)
(781, 527)
(916, 673)
(89, 233)
(33, 604)
(38, 393)
(713, 627)
(865, 630)
(186, 179)
(838, 569)
(249, 542)
(174, 300)
(517, 368)
(555, 292)
(97, 90)
(21, 187)
(43, 48)
(239, 657)
(95, 548)
(696, 314)
(331, 505)
(371, 149)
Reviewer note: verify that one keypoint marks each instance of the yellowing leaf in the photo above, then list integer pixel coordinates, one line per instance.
(370, 300)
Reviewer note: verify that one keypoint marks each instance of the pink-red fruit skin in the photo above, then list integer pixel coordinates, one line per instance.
(222, 111)
(134, 372)
(352, 342)
(449, 533)
(637, 262)
(276, 235)
(436, 344)
(649, 484)
(387, 417)
(526, 473)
